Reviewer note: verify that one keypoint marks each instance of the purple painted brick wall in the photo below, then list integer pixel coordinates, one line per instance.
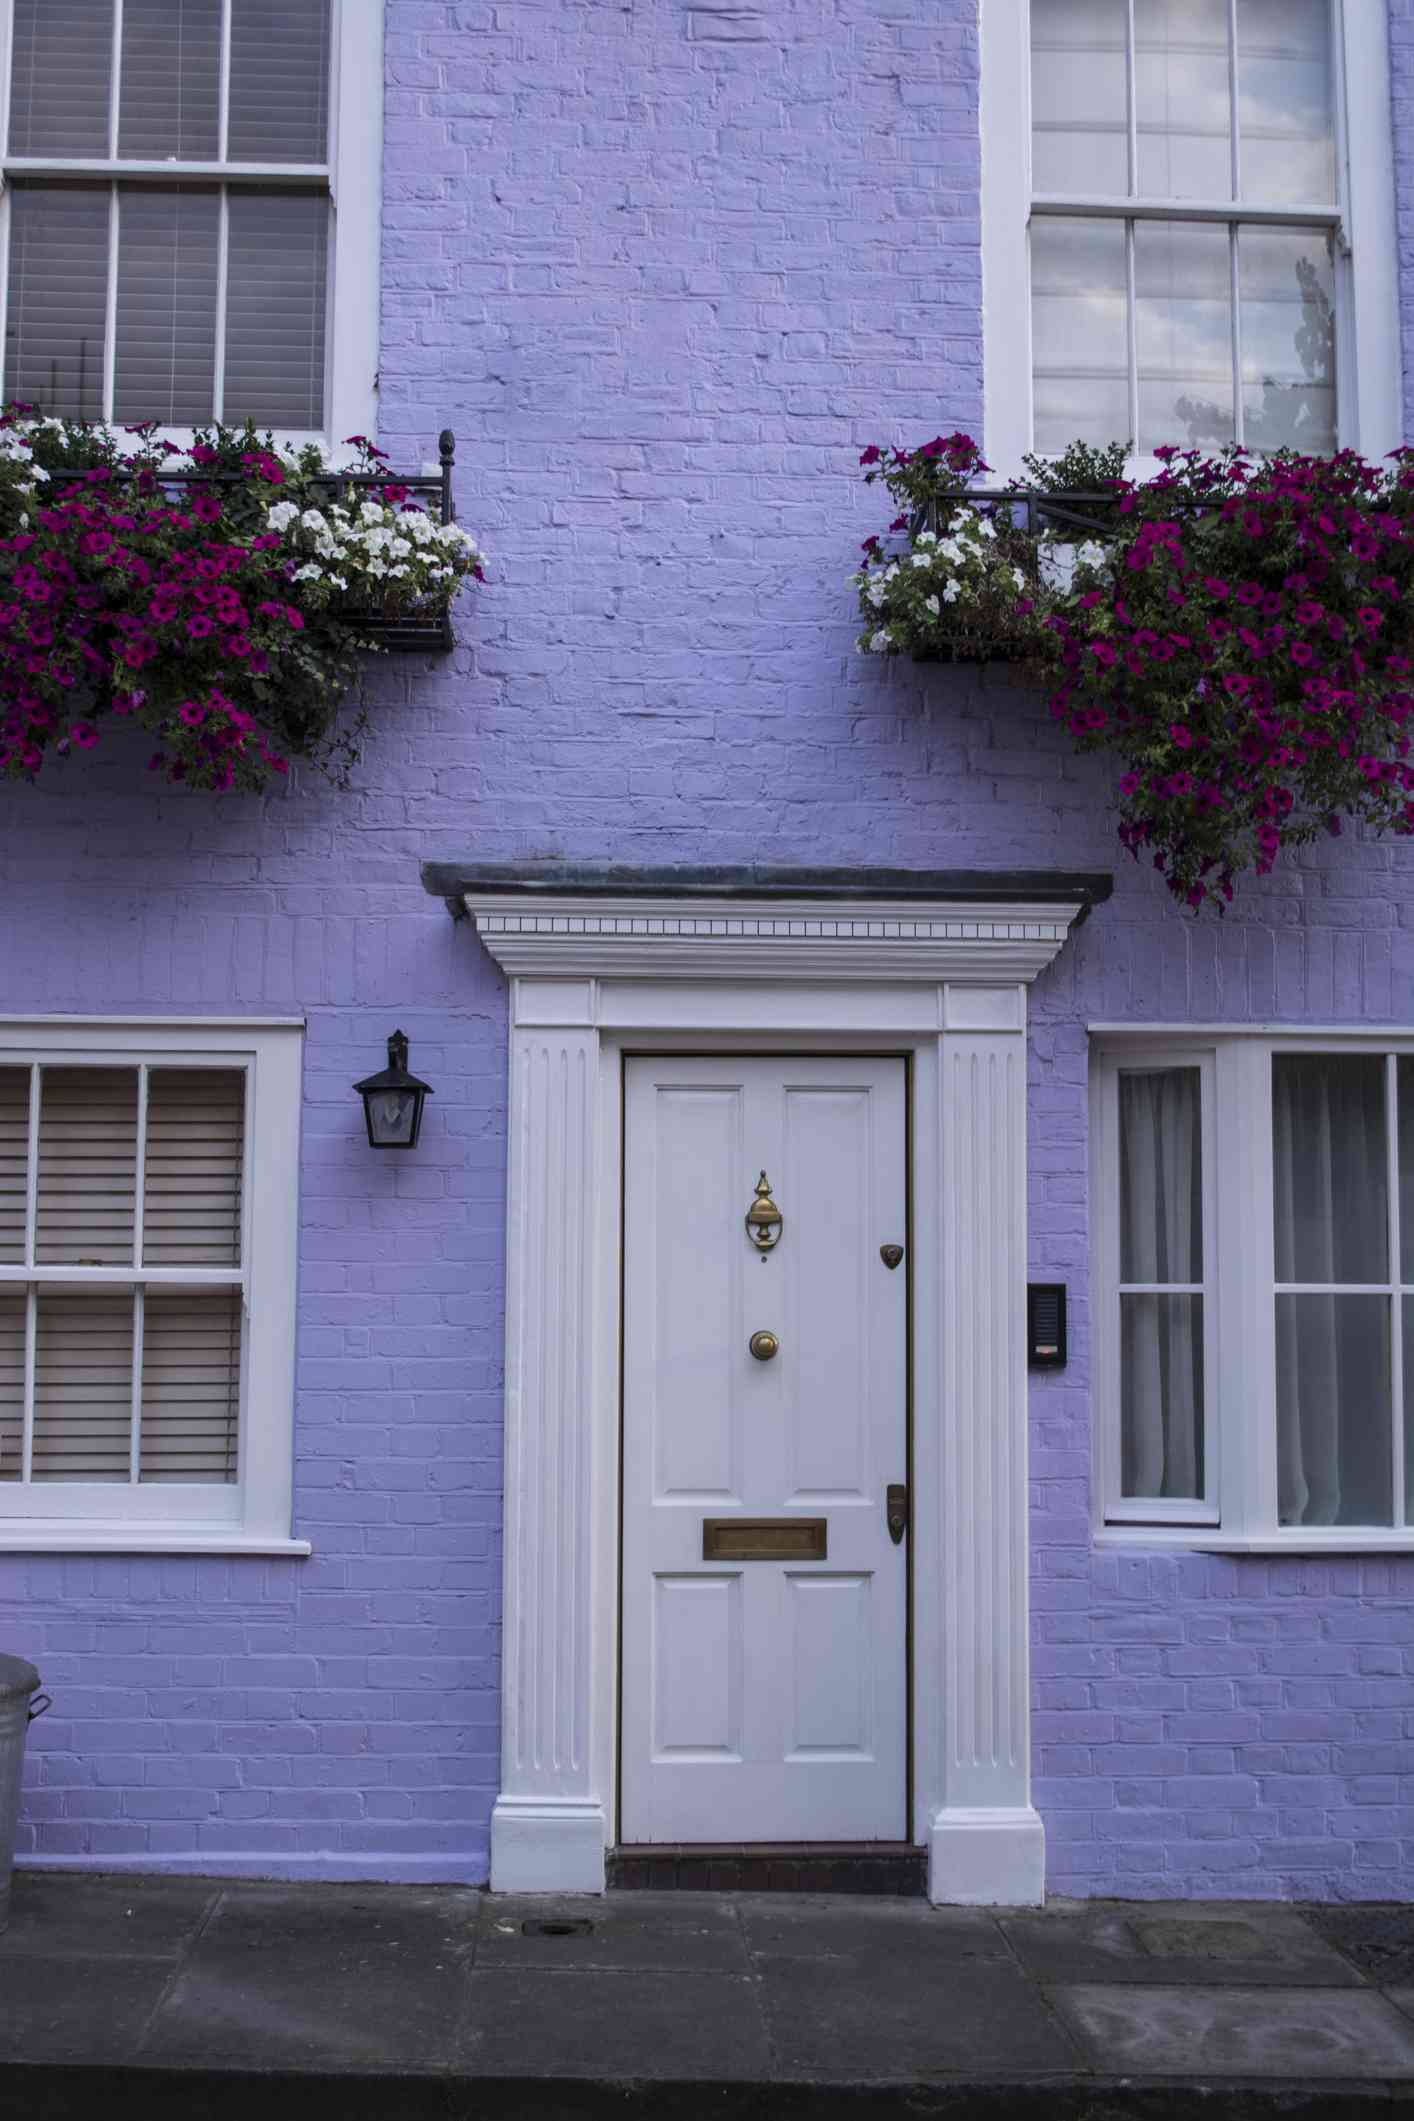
(664, 270)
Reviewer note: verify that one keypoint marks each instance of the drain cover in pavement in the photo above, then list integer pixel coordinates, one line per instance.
(561, 1927)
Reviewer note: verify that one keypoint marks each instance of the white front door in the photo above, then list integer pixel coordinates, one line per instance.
(764, 1699)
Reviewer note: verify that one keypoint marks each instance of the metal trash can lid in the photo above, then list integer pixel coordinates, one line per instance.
(18, 1680)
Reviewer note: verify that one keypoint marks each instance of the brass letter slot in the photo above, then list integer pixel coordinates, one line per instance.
(763, 1539)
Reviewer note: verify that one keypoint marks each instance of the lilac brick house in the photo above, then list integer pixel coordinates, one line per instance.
(511, 1508)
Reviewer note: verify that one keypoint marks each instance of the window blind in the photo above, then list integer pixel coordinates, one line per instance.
(192, 1170)
(83, 1386)
(61, 65)
(87, 1167)
(138, 1378)
(56, 316)
(168, 245)
(12, 1383)
(171, 80)
(275, 306)
(14, 1149)
(191, 1350)
(279, 80)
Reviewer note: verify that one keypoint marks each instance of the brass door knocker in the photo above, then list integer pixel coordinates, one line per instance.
(764, 1220)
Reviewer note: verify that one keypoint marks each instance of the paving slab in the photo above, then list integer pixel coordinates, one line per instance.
(339, 1978)
(1377, 1939)
(77, 2010)
(876, 1932)
(659, 1932)
(620, 2024)
(59, 1913)
(1172, 1945)
(833, 2019)
(1199, 2032)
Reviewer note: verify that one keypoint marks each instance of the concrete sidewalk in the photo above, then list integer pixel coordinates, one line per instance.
(165, 1996)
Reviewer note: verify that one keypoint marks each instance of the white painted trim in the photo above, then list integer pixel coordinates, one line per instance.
(987, 1856)
(356, 241)
(801, 940)
(592, 980)
(1286, 1036)
(254, 1514)
(33, 1537)
(1300, 1544)
(1370, 374)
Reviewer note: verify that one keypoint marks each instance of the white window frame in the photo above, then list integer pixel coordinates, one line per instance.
(251, 1514)
(1238, 1514)
(1369, 374)
(351, 178)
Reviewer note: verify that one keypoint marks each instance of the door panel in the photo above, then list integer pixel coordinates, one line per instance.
(763, 1700)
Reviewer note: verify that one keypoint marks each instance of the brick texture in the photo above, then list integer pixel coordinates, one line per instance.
(665, 268)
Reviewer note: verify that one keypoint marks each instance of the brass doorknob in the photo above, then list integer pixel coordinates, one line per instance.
(763, 1346)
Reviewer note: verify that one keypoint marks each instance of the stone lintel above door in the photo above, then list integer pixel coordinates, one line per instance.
(594, 974)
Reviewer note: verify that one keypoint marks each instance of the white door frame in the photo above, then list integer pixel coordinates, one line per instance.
(592, 978)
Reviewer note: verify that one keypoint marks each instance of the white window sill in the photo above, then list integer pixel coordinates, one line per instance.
(1334, 1539)
(80, 1538)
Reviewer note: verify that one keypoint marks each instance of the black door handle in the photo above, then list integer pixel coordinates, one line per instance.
(896, 1510)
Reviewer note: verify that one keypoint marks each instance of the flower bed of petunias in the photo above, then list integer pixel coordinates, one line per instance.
(224, 613)
(1238, 632)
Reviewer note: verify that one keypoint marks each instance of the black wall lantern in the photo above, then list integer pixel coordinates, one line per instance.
(393, 1100)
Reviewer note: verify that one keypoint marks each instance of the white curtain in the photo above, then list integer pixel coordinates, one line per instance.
(1161, 1241)
(1333, 1349)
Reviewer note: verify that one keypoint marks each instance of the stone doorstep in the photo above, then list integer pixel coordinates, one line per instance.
(785, 1867)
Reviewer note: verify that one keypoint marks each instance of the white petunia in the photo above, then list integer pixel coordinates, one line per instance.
(952, 590)
(877, 594)
(881, 640)
(926, 537)
(1018, 577)
(313, 520)
(932, 604)
(308, 573)
(281, 515)
(1090, 554)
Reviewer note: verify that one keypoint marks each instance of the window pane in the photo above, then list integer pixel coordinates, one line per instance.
(170, 101)
(83, 1385)
(1182, 81)
(1161, 1396)
(1333, 1410)
(191, 1203)
(275, 309)
(166, 329)
(1287, 279)
(1079, 97)
(1161, 1176)
(279, 81)
(1080, 331)
(58, 295)
(12, 1383)
(14, 1162)
(191, 1370)
(1328, 1149)
(60, 70)
(1284, 101)
(87, 1166)
(1183, 322)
